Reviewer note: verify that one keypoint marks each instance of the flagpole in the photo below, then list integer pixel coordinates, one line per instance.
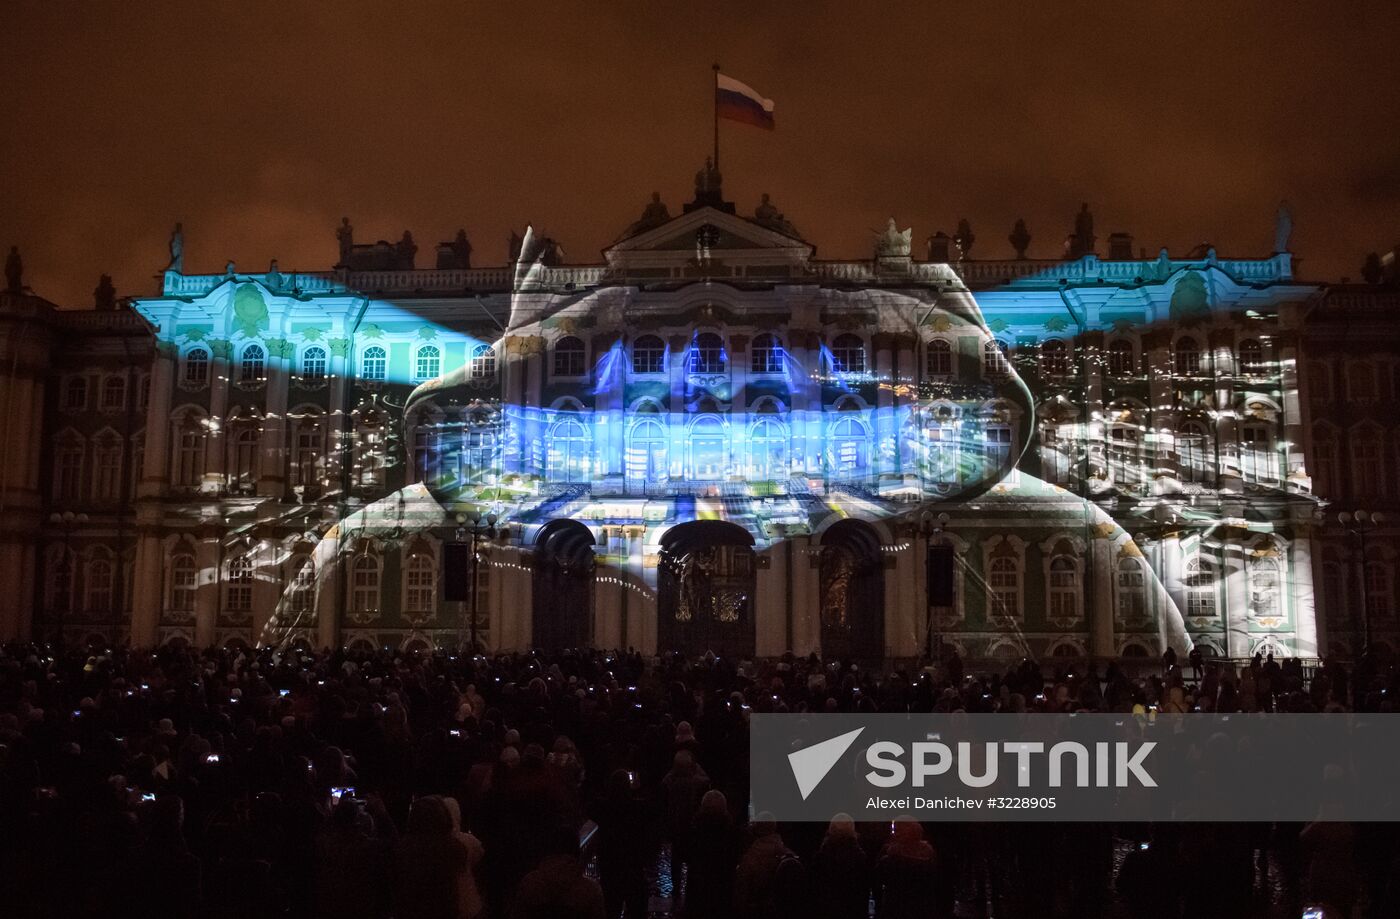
(714, 97)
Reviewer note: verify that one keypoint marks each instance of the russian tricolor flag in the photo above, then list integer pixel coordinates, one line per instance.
(738, 102)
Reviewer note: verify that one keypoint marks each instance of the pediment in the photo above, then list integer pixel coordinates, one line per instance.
(729, 232)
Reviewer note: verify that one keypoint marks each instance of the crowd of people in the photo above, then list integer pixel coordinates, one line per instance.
(287, 782)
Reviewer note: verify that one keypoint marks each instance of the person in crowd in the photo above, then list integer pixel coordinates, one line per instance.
(433, 865)
(906, 874)
(623, 846)
(842, 873)
(683, 787)
(755, 879)
(558, 888)
(709, 890)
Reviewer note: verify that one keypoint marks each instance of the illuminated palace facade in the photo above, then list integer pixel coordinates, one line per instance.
(711, 440)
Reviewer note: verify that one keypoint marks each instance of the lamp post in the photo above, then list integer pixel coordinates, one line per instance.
(1358, 524)
(930, 526)
(67, 520)
(479, 527)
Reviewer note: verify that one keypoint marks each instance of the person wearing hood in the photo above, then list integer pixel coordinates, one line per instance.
(842, 872)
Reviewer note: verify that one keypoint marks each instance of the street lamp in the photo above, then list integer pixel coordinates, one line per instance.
(68, 521)
(1358, 524)
(480, 527)
(930, 526)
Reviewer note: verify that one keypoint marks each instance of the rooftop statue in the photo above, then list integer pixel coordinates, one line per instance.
(104, 297)
(1283, 227)
(404, 251)
(653, 216)
(1020, 238)
(177, 249)
(462, 248)
(14, 271)
(345, 236)
(771, 217)
(273, 279)
(1081, 243)
(894, 242)
(708, 180)
(963, 238)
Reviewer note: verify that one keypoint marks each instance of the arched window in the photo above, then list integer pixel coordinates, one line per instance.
(75, 394)
(1194, 453)
(98, 586)
(1257, 460)
(1004, 582)
(996, 446)
(197, 366)
(648, 355)
(420, 584)
(364, 583)
(184, 582)
(313, 364)
(1064, 588)
(253, 367)
(767, 451)
(307, 449)
(370, 459)
(1367, 463)
(1251, 357)
(374, 364)
(568, 357)
(940, 358)
(243, 465)
(1380, 601)
(1324, 461)
(301, 598)
(483, 365)
(478, 454)
(238, 586)
(107, 467)
(1188, 356)
(1124, 453)
(709, 450)
(68, 468)
(1334, 593)
(113, 394)
(849, 448)
(143, 392)
(848, 354)
(1265, 580)
(427, 453)
(569, 457)
(1202, 583)
(646, 455)
(428, 364)
(1057, 447)
(1361, 381)
(190, 439)
(1054, 358)
(1132, 590)
(1121, 362)
(994, 361)
(942, 445)
(138, 459)
(707, 354)
(767, 355)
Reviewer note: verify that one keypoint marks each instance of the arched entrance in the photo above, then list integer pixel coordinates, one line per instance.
(562, 613)
(706, 589)
(852, 592)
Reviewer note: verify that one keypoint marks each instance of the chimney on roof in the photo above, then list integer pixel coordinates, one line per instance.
(938, 247)
(1120, 247)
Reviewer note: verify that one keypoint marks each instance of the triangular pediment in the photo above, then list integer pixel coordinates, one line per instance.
(730, 232)
(724, 236)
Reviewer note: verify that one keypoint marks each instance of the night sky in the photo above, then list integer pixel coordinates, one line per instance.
(260, 125)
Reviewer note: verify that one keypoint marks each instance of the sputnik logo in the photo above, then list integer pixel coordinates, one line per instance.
(811, 764)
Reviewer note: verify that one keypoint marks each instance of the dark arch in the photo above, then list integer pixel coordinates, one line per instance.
(852, 591)
(706, 588)
(562, 602)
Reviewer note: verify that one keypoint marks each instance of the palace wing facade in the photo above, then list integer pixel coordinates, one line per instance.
(711, 440)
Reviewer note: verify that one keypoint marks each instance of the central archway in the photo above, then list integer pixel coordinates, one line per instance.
(706, 589)
(852, 592)
(562, 607)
